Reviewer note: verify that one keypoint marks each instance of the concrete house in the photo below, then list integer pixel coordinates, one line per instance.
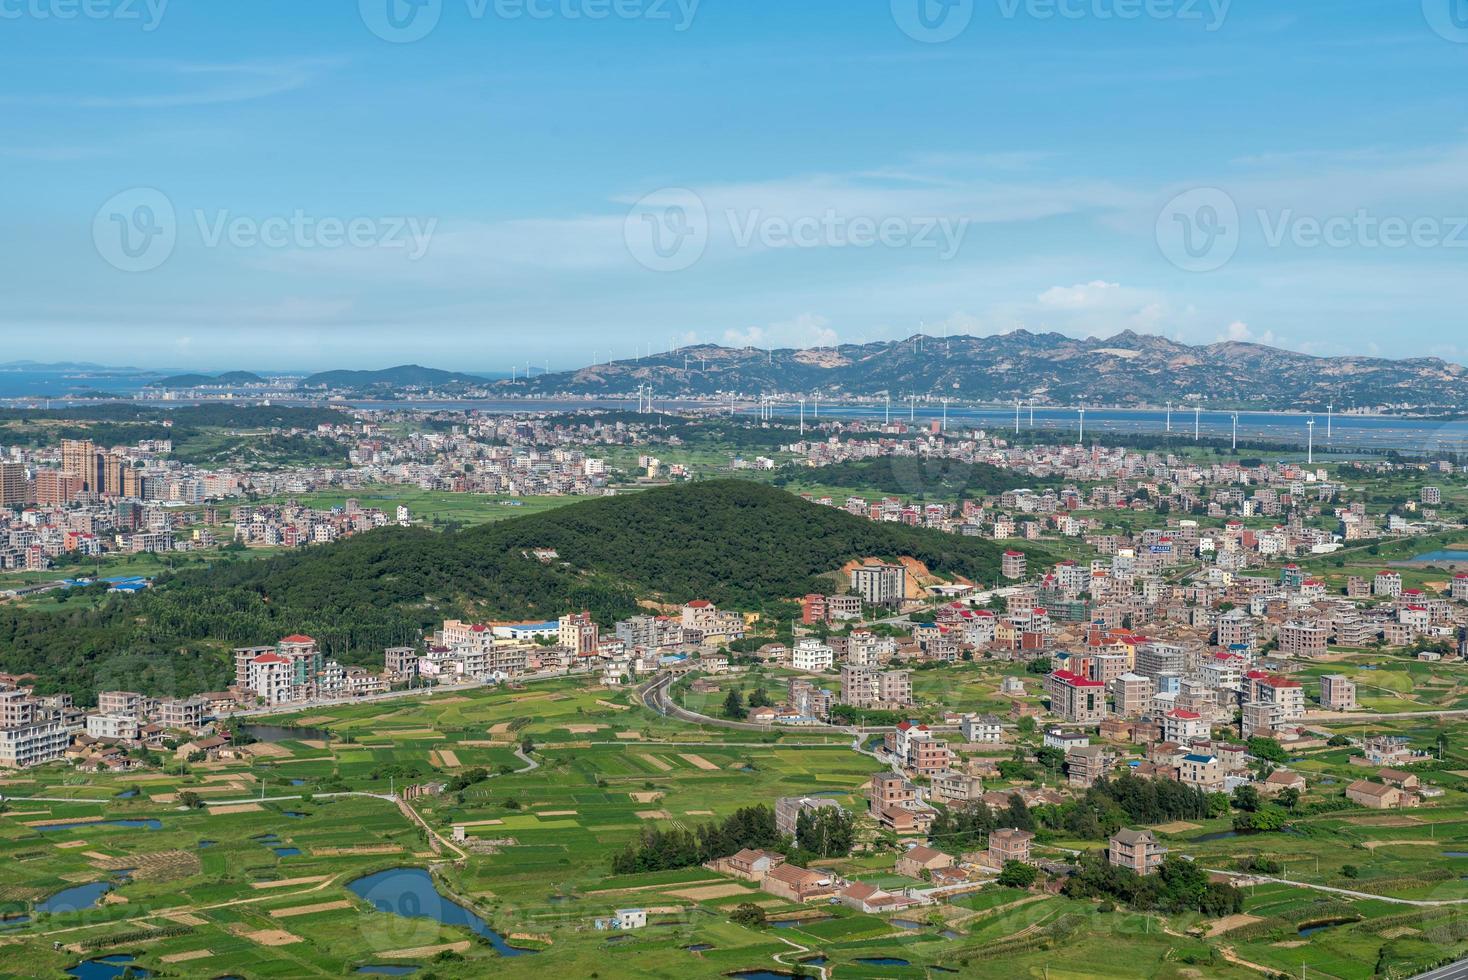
(1137, 850)
(798, 884)
(918, 859)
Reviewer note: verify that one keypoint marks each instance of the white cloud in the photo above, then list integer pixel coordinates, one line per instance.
(1238, 332)
(805, 330)
(1081, 296)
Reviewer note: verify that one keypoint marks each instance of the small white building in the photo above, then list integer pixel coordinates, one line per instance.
(631, 918)
(812, 656)
(982, 729)
(121, 728)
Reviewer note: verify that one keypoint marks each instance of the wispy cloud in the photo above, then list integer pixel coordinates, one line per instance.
(183, 84)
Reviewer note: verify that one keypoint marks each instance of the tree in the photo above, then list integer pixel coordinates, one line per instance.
(191, 800)
(749, 915)
(1246, 798)
(1016, 874)
(759, 699)
(827, 832)
(734, 704)
(1289, 798)
(1267, 749)
(1265, 819)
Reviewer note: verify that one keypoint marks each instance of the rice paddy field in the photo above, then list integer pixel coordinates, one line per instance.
(287, 871)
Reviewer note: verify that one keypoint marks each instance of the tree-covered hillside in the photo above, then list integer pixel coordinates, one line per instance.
(737, 543)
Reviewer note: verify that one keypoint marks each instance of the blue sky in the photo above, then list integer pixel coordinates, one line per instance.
(304, 185)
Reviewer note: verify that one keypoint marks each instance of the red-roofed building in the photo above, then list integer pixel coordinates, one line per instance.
(1183, 726)
(1075, 698)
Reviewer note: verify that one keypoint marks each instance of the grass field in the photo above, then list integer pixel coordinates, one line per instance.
(259, 886)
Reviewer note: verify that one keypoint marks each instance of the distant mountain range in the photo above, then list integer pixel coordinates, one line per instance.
(207, 380)
(1128, 369)
(405, 376)
(66, 366)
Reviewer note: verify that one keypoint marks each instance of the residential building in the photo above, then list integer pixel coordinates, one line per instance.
(1377, 796)
(789, 808)
(1201, 770)
(880, 584)
(1301, 638)
(918, 858)
(1137, 850)
(1010, 844)
(1075, 698)
(812, 656)
(798, 884)
(982, 729)
(1337, 693)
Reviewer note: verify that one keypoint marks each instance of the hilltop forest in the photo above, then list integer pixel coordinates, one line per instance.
(737, 543)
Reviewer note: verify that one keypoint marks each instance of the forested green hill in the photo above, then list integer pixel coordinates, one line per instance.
(740, 544)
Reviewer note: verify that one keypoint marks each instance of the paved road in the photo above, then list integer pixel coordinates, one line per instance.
(1453, 971)
(1419, 903)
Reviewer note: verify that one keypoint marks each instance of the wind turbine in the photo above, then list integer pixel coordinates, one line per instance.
(1197, 423)
(818, 405)
(1329, 412)
(1169, 416)
(1236, 431)
(1081, 439)
(889, 409)
(945, 415)
(1032, 414)
(802, 418)
(1016, 416)
(1310, 456)
(912, 408)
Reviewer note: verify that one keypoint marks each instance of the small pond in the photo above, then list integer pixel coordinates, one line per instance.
(128, 824)
(107, 968)
(412, 894)
(75, 898)
(278, 733)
